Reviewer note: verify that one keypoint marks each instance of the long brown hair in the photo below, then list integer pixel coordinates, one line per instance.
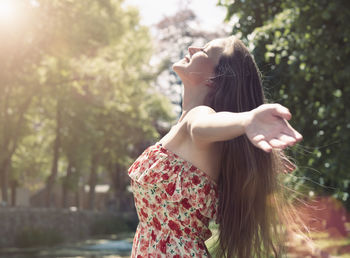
(249, 211)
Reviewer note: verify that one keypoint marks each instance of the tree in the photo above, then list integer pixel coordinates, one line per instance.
(20, 51)
(305, 46)
(83, 88)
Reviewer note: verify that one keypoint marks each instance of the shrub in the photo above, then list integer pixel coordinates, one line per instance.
(34, 237)
(113, 225)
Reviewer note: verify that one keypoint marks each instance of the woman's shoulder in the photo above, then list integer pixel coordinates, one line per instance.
(195, 113)
(179, 134)
(200, 110)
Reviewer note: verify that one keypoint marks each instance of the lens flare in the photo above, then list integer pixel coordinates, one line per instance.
(7, 10)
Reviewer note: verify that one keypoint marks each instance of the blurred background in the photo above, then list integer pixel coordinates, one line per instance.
(86, 86)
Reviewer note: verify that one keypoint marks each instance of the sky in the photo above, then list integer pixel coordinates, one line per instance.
(210, 16)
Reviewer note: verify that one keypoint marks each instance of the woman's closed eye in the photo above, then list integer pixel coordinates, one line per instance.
(192, 51)
(199, 50)
(205, 52)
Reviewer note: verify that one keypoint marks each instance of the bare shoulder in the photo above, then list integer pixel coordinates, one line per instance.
(197, 112)
(200, 110)
(180, 133)
(180, 142)
(193, 116)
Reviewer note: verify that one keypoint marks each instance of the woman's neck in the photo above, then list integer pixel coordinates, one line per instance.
(193, 96)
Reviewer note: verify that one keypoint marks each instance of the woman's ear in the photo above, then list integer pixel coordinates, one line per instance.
(209, 82)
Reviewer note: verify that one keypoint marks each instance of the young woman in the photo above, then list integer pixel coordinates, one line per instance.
(220, 161)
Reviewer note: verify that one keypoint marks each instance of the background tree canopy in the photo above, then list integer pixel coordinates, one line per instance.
(76, 104)
(303, 50)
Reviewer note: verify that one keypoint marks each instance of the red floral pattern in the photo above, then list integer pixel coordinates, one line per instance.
(175, 202)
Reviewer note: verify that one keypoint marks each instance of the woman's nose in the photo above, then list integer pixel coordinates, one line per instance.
(193, 50)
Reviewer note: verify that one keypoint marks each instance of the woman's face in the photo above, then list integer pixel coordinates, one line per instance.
(198, 65)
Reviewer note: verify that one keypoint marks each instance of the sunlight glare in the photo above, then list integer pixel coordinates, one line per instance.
(7, 10)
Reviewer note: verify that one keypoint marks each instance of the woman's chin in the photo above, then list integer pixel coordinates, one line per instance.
(178, 67)
(181, 64)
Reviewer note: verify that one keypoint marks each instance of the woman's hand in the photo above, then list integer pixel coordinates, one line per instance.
(268, 128)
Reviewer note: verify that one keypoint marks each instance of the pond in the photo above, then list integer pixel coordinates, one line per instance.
(107, 246)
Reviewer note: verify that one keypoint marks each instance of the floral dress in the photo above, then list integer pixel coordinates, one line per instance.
(175, 202)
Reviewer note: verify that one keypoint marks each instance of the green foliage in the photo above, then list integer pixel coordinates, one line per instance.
(303, 51)
(35, 237)
(77, 72)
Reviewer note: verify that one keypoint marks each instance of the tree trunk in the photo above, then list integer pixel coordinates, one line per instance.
(92, 182)
(4, 158)
(11, 140)
(50, 182)
(119, 184)
(14, 185)
(77, 198)
(4, 180)
(65, 185)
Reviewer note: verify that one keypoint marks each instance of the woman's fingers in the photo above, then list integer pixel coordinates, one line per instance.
(293, 133)
(264, 146)
(275, 143)
(258, 137)
(282, 112)
(289, 140)
(290, 131)
(298, 136)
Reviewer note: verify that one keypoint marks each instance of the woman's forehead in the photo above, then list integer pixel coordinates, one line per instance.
(215, 49)
(221, 43)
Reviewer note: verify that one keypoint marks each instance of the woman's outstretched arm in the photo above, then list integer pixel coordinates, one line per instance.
(266, 126)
